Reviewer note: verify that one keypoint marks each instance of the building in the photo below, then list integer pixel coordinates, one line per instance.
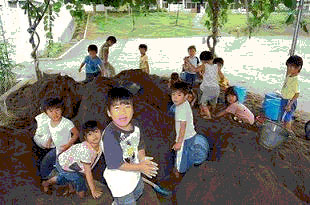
(183, 5)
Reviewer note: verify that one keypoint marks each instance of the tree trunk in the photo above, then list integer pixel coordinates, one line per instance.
(133, 19)
(94, 8)
(50, 38)
(106, 13)
(176, 21)
(215, 24)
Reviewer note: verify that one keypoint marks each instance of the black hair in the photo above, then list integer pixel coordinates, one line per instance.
(53, 102)
(119, 94)
(206, 55)
(143, 46)
(180, 86)
(218, 60)
(112, 39)
(230, 91)
(93, 47)
(295, 61)
(174, 76)
(191, 47)
(89, 126)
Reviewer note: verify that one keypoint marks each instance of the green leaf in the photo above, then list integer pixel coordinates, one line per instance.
(290, 19)
(290, 3)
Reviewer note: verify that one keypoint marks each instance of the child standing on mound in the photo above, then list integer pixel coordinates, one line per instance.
(290, 90)
(190, 66)
(184, 126)
(94, 66)
(209, 87)
(104, 55)
(144, 61)
(124, 150)
(61, 130)
(78, 161)
(241, 112)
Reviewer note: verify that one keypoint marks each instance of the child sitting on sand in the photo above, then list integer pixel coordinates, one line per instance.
(239, 111)
(124, 150)
(144, 62)
(223, 81)
(209, 87)
(192, 97)
(173, 78)
(184, 126)
(60, 129)
(290, 90)
(77, 162)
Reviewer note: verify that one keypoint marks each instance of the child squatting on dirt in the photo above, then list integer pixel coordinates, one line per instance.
(124, 150)
(239, 111)
(77, 162)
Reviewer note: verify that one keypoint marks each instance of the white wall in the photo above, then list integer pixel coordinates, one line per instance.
(15, 23)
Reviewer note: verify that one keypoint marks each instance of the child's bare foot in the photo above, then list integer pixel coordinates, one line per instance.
(81, 194)
(69, 191)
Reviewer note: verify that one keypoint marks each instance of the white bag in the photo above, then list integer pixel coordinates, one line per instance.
(42, 133)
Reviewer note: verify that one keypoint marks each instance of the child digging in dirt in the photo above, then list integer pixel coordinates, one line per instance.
(60, 129)
(77, 162)
(239, 111)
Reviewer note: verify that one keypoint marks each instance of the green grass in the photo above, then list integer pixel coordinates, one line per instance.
(151, 25)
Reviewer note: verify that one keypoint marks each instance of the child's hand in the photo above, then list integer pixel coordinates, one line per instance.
(148, 168)
(64, 147)
(48, 143)
(177, 146)
(288, 108)
(96, 194)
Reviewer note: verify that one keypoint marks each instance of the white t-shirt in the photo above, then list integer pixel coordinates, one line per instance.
(61, 134)
(184, 112)
(42, 132)
(194, 62)
(210, 77)
(71, 160)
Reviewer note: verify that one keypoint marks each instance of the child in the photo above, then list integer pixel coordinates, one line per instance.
(290, 90)
(104, 55)
(60, 129)
(78, 161)
(190, 66)
(144, 64)
(209, 87)
(223, 81)
(184, 126)
(173, 78)
(124, 150)
(94, 66)
(241, 113)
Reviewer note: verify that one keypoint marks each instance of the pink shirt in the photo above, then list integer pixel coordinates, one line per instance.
(241, 112)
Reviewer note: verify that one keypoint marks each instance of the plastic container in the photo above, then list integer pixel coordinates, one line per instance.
(272, 106)
(199, 150)
(272, 135)
(241, 92)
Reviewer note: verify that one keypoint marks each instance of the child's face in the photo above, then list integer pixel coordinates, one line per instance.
(92, 54)
(191, 52)
(178, 97)
(121, 114)
(190, 97)
(293, 70)
(219, 65)
(231, 99)
(142, 51)
(93, 137)
(110, 43)
(55, 114)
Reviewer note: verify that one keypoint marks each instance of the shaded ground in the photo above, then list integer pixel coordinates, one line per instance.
(240, 169)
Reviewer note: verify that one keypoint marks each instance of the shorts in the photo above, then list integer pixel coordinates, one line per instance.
(209, 96)
(91, 76)
(287, 116)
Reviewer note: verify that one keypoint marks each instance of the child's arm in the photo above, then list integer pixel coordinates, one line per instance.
(201, 69)
(90, 180)
(105, 56)
(141, 155)
(221, 75)
(147, 67)
(81, 66)
(194, 100)
(289, 104)
(73, 139)
(222, 113)
(146, 167)
(178, 144)
(48, 143)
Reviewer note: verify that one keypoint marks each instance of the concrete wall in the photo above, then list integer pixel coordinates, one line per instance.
(15, 24)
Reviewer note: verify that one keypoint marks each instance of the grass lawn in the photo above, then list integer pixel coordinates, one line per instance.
(151, 25)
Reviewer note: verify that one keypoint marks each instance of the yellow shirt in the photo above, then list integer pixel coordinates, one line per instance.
(143, 63)
(290, 87)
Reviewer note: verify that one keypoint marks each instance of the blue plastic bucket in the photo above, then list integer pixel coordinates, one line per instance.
(199, 150)
(241, 92)
(272, 106)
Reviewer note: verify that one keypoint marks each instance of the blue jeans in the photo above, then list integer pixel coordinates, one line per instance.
(77, 179)
(47, 163)
(288, 115)
(91, 76)
(131, 198)
(190, 78)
